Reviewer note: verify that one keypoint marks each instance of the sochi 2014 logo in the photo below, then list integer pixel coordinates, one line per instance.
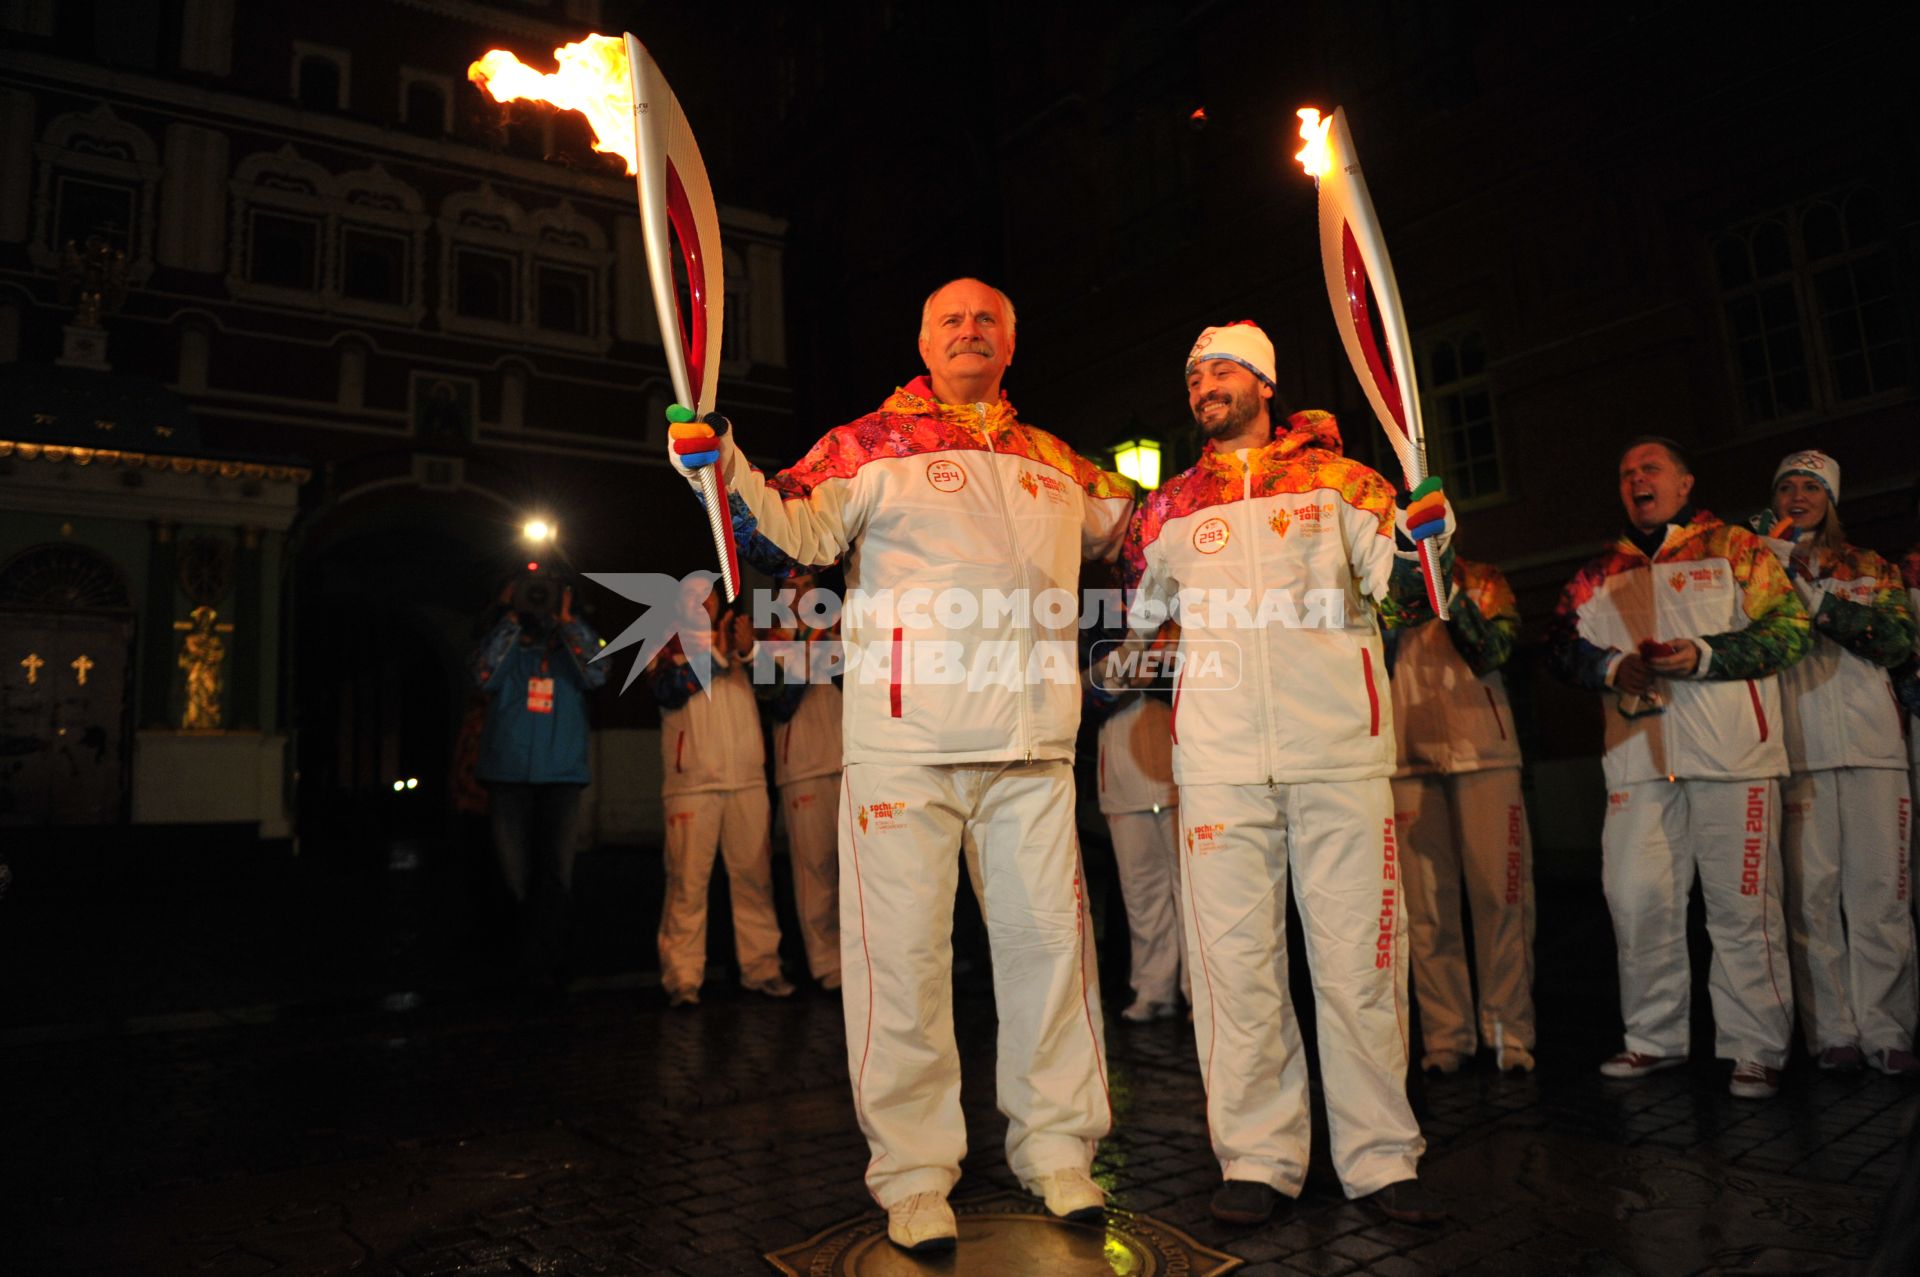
(1202, 839)
(881, 816)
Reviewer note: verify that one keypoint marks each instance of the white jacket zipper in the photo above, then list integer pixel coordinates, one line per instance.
(1013, 555)
(1259, 635)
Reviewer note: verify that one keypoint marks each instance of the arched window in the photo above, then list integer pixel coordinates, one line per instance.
(98, 176)
(423, 103)
(539, 277)
(320, 76)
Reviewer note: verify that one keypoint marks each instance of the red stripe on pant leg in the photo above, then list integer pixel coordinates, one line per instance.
(1766, 938)
(1083, 929)
(1206, 969)
(860, 892)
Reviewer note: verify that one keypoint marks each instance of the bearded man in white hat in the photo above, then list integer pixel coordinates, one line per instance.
(1848, 815)
(1282, 745)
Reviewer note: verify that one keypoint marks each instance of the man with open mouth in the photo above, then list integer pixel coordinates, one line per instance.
(1681, 626)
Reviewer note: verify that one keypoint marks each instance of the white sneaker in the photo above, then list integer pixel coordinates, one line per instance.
(923, 1222)
(1071, 1194)
(1442, 1062)
(1515, 1059)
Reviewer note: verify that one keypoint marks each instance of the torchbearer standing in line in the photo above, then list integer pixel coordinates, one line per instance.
(1458, 811)
(1282, 745)
(714, 791)
(1848, 812)
(806, 770)
(944, 490)
(1681, 627)
(1134, 777)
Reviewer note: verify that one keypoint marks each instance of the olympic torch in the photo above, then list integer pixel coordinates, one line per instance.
(618, 86)
(1353, 256)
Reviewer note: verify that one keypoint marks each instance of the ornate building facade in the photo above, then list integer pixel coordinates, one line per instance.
(360, 324)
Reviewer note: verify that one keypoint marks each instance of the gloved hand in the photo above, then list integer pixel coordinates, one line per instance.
(693, 445)
(1426, 508)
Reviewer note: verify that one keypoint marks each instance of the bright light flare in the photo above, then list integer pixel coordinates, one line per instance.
(537, 530)
(1315, 157)
(592, 79)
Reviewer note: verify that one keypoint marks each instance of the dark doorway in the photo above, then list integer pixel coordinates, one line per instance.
(385, 604)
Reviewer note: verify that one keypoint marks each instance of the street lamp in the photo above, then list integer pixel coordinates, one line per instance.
(1139, 460)
(537, 530)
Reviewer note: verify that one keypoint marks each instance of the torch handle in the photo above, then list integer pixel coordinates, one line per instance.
(719, 523)
(1436, 583)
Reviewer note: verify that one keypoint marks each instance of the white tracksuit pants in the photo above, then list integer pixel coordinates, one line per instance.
(733, 822)
(1844, 849)
(1146, 854)
(901, 830)
(1657, 834)
(1471, 825)
(1239, 843)
(811, 809)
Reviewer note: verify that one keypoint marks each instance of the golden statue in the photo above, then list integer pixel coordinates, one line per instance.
(201, 656)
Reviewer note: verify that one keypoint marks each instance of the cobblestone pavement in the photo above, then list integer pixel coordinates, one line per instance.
(463, 1130)
(604, 1134)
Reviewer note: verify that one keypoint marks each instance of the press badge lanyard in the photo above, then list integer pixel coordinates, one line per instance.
(540, 689)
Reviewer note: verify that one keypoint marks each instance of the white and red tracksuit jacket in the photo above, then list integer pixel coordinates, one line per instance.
(1713, 583)
(1839, 701)
(1450, 708)
(936, 497)
(1294, 680)
(709, 737)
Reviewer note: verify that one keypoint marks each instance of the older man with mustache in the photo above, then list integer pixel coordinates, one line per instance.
(945, 490)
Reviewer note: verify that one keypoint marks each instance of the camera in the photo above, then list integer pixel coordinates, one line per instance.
(536, 598)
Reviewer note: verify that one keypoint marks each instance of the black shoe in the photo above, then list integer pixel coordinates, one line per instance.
(1243, 1201)
(1409, 1203)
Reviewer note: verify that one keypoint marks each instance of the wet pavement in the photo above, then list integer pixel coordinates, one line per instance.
(458, 1126)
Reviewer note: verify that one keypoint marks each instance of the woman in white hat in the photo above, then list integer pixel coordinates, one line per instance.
(1848, 812)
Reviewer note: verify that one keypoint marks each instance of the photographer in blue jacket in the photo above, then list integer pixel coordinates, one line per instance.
(534, 667)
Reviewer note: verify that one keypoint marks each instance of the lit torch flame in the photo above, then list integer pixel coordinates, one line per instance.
(1314, 157)
(592, 79)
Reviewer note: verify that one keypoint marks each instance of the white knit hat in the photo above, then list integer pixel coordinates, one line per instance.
(1815, 465)
(1242, 342)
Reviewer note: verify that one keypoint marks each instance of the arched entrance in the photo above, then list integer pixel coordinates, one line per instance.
(388, 590)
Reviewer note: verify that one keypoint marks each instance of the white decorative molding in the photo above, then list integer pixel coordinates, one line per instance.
(485, 219)
(102, 146)
(284, 181)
